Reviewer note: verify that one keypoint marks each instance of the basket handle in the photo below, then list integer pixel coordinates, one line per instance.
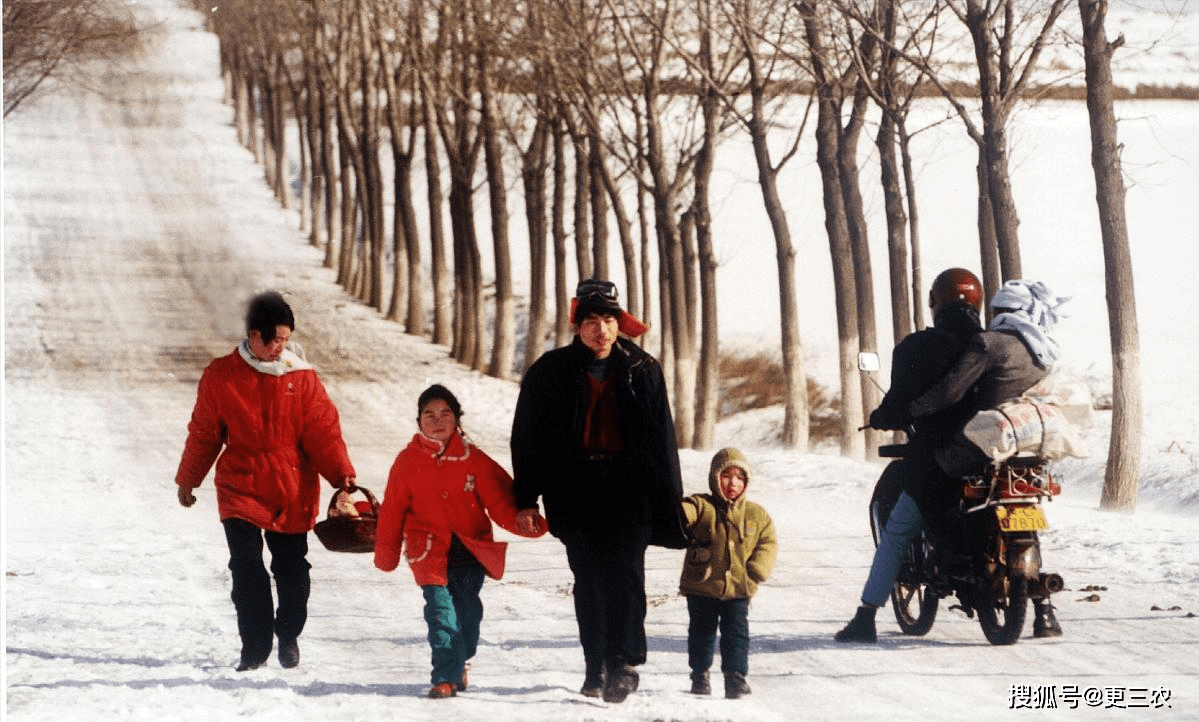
(350, 490)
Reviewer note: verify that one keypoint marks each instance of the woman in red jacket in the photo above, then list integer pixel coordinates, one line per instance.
(442, 495)
(263, 417)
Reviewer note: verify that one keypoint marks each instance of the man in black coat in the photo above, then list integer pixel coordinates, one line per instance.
(593, 438)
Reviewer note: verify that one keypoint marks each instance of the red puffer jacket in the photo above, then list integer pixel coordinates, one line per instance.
(278, 433)
(435, 491)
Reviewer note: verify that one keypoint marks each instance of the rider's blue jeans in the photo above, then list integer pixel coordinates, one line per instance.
(904, 523)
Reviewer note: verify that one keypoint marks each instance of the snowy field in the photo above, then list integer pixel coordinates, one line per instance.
(135, 227)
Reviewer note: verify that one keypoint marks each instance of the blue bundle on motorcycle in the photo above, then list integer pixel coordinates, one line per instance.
(1024, 427)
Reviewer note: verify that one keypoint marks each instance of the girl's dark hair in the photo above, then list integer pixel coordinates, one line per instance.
(437, 391)
(266, 311)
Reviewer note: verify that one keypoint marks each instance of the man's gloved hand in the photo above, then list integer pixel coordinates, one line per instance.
(186, 498)
(346, 482)
(887, 418)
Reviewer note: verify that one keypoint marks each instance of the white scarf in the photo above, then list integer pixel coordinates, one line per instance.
(287, 362)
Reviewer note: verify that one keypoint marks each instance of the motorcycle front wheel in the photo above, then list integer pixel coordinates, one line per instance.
(915, 608)
(914, 605)
(1002, 617)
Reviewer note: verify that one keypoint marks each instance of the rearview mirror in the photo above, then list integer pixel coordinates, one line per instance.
(868, 361)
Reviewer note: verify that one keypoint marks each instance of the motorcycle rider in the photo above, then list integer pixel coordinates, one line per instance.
(919, 360)
(993, 366)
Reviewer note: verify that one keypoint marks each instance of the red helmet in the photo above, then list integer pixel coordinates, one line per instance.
(956, 285)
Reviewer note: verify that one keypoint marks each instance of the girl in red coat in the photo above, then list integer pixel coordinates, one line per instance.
(440, 493)
(264, 413)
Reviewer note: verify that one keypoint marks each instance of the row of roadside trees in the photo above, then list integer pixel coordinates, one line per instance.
(611, 112)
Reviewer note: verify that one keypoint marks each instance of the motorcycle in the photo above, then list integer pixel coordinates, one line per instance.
(986, 551)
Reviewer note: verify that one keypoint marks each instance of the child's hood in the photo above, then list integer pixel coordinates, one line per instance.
(723, 459)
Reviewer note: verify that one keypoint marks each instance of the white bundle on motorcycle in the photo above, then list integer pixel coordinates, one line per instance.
(1024, 426)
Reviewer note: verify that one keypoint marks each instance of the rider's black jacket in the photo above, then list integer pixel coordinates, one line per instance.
(918, 362)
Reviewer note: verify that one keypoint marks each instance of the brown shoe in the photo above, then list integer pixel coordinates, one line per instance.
(735, 686)
(441, 690)
(465, 681)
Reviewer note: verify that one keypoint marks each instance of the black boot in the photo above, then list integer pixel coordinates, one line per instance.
(254, 656)
(593, 683)
(1045, 624)
(289, 652)
(860, 628)
(700, 683)
(735, 685)
(622, 681)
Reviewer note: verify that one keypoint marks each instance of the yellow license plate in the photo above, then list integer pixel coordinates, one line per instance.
(1021, 518)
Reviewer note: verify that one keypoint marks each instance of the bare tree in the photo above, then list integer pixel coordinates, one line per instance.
(397, 39)
(760, 32)
(488, 57)
(828, 138)
(1124, 451)
(58, 40)
(642, 32)
(1004, 73)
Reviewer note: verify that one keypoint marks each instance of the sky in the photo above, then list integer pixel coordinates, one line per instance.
(135, 227)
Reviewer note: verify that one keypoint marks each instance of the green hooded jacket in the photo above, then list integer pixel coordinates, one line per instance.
(735, 544)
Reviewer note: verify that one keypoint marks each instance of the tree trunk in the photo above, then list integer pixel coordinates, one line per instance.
(534, 161)
(438, 258)
(988, 243)
(330, 143)
(909, 180)
(279, 136)
(503, 344)
(827, 140)
(897, 239)
(863, 273)
(599, 208)
(582, 204)
(405, 236)
(1124, 450)
(796, 418)
(562, 334)
(708, 392)
(993, 154)
(349, 208)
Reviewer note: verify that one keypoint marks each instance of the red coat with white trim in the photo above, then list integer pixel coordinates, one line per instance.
(435, 491)
(277, 434)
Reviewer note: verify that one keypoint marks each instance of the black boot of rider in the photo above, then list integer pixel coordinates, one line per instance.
(1045, 624)
(860, 628)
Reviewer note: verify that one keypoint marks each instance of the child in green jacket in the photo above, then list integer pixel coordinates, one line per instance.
(734, 551)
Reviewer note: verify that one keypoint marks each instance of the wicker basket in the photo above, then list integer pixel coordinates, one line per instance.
(352, 533)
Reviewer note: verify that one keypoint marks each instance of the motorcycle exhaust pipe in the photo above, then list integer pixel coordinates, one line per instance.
(1053, 582)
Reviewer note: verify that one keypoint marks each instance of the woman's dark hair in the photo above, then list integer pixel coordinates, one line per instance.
(267, 311)
(437, 391)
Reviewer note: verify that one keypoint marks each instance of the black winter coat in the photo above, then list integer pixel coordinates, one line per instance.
(641, 485)
(918, 362)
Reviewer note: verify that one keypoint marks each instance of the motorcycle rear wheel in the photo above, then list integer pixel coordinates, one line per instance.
(1002, 617)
